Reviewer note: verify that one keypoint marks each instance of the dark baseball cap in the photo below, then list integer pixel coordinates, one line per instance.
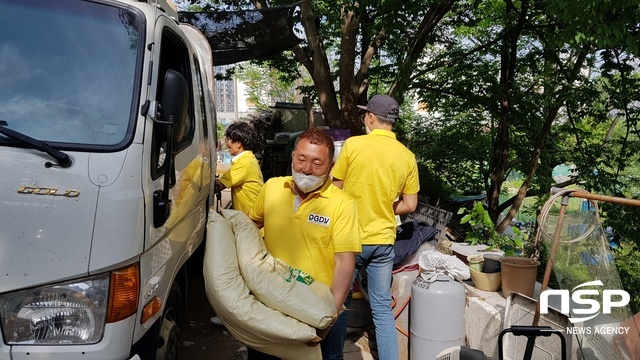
(383, 105)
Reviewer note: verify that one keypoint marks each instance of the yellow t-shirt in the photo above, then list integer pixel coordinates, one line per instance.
(244, 178)
(376, 169)
(324, 223)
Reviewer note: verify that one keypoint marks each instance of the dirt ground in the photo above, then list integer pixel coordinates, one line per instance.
(199, 338)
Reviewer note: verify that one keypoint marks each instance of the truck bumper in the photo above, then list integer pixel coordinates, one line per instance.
(115, 345)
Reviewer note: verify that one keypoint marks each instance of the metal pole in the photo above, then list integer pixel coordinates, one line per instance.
(597, 197)
(547, 272)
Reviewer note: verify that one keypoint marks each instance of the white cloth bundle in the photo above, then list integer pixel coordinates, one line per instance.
(433, 262)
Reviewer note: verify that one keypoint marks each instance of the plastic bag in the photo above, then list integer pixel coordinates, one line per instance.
(433, 262)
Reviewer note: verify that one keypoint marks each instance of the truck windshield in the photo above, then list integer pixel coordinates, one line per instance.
(68, 71)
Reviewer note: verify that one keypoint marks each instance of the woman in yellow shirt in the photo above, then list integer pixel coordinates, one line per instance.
(244, 177)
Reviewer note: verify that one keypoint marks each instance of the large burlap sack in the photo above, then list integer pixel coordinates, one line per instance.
(275, 283)
(249, 320)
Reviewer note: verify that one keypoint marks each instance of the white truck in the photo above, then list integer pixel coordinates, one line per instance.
(107, 136)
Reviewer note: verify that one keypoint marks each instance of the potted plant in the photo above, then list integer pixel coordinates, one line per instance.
(518, 273)
(483, 231)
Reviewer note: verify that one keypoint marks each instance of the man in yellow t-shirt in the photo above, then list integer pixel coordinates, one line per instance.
(244, 177)
(381, 175)
(312, 225)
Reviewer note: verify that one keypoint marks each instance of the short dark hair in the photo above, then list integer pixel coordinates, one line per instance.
(317, 137)
(242, 132)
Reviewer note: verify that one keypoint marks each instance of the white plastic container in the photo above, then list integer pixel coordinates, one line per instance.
(436, 318)
(401, 290)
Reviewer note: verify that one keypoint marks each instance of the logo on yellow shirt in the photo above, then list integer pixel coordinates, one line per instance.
(319, 219)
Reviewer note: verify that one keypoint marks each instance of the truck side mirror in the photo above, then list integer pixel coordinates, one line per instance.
(175, 103)
(172, 122)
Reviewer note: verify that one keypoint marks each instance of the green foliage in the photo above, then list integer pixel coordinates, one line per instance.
(628, 261)
(455, 146)
(570, 270)
(220, 131)
(265, 85)
(462, 89)
(353, 49)
(432, 186)
(603, 24)
(458, 80)
(483, 231)
(625, 220)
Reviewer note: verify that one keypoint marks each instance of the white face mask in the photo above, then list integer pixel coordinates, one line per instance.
(307, 183)
(367, 130)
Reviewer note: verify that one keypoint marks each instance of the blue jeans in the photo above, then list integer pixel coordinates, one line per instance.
(378, 260)
(333, 345)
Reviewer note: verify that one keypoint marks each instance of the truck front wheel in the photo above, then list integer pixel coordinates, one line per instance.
(169, 329)
(168, 341)
(161, 341)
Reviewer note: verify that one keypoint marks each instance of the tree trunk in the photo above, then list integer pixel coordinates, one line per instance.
(501, 144)
(349, 89)
(428, 23)
(320, 71)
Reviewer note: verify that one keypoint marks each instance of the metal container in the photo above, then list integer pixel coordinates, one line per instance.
(437, 316)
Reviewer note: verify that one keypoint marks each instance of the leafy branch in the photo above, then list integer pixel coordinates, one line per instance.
(483, 231)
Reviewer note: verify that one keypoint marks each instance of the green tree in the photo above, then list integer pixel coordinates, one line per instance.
(513, 71)
(265, 85)
(354, 46)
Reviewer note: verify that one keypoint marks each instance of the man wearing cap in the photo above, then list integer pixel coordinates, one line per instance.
(381, 175)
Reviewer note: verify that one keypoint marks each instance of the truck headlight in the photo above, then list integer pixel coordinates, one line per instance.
(66, 313)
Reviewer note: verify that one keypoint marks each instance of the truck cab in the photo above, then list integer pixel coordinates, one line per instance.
(107, 146)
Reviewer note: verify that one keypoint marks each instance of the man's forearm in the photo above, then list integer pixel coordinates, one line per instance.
(342, 277)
